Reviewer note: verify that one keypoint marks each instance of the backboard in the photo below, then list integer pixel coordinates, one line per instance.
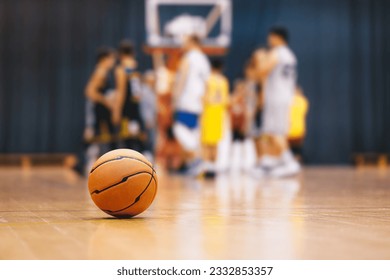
(167, 21)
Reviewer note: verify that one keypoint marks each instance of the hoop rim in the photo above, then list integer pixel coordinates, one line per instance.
(172, 49)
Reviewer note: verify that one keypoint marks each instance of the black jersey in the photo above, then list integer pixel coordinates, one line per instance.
(131, 108)
(108, 83)
(102, 115)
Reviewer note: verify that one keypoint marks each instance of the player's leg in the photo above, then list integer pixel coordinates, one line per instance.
(135, 129)
(188, 140)
(287, 166)
(258, 147)
(270, 127)
(187, 133)
(82, 165)
(93, 134)
(214, 153)
(296, 146)
(277, 159)
(150, 144)
(206, 157)
(271, 152)
(210, 161)
(264, 152)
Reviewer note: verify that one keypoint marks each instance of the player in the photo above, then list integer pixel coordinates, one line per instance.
(216, 101)
(237, 111)
(239, 123)
(126, 112)
(278, 70)
(148, 108)
(245, 116)
(98, 87)
(194, 71)
(257, 86)
(99, 127)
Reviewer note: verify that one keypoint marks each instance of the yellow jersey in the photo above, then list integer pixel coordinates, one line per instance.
(298, 111)
(216, 100)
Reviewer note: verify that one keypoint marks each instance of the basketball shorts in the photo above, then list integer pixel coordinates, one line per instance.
(276, 118)
(102, 120)
(131, 111)
(186, 130)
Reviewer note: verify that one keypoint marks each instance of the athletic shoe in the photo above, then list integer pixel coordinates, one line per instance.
(208, 174)
(270, 162)
(181, 170)
(258, 172)
(287, 169)
(195, 168)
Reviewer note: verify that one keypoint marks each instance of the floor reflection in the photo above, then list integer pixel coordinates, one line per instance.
(231, 217)
(328, 213)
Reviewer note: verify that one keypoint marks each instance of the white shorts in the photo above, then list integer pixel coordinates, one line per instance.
(276, 118)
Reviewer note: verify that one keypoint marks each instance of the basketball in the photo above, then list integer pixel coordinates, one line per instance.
(122, 183)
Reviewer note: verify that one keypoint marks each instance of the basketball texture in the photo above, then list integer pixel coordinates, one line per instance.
(122, 183)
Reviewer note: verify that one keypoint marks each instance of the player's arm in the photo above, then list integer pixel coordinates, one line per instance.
(92, 88)
(260, 99)
(120, 81)
(265, 63)
(183, 70)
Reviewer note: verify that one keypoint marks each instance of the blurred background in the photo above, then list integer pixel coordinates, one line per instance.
(47, 53)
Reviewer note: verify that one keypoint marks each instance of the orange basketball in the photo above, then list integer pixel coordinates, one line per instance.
(122, 183)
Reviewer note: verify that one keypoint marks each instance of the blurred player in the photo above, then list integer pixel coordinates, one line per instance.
(297, 132)
(239, 121)
(99, 127)
(215, 108)
(167, 149)
(149, 111)
(245, 112)
(98, 87)
(253, 115)
(126, 112)
(193, 73)
(279, 71)
(256, 124)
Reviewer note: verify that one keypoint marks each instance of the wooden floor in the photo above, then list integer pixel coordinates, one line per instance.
(329, 213)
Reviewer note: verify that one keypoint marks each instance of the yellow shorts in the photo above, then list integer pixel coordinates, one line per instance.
(212, 125)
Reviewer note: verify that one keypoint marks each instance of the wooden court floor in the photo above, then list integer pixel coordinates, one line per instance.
(328, 213)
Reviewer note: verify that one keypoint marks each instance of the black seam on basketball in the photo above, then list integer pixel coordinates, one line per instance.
(119, 158)
(124, 179)
(136, 199)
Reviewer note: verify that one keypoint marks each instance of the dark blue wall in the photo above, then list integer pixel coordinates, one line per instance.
(47, 47)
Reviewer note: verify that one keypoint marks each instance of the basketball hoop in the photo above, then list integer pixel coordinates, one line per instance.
(181, 24)
(165, 48)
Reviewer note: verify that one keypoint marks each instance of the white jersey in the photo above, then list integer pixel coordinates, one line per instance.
(281, 82)
(190, 99)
